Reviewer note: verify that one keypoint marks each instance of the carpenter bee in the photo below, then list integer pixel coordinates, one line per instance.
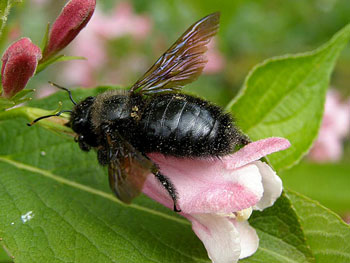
(153, 116)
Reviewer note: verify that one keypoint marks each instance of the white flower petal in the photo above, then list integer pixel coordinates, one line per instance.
(272, 186)
(249, 177)
(219, 236)
(249, 238)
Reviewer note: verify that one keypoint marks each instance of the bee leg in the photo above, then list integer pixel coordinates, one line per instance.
(168, 185)
(82, 144)
(103, 156)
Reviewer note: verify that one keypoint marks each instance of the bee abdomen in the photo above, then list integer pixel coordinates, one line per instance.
(182, 125)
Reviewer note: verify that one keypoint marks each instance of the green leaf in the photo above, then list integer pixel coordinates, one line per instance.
(78, 95)
(59, 58)
(45, 38)
(15, 100)
(74, 215)
(285, 97)
(76, 218)
(281, 237)
(327, 235)
(5, 103)
(21, 94)
(326, 183)
(4, 257)
(5, 6)
(55, 124)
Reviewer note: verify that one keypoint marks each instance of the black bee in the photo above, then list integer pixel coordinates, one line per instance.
(153, 116)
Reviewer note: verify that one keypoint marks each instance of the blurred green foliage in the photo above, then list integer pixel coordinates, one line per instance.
(253, 30)
(327, 183)
(250, 31)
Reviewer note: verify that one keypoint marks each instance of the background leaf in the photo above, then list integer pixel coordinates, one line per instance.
(76, 218)
(285, 97)
(4, 258)
(281, 237)
(326, 183)
(44, 174)
(59, 58)
(327, 235)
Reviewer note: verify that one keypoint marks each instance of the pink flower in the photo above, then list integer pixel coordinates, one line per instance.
(19, 63)
(68, 24)
(335, 127)
(15, 32)
(123, 21)
(218, 195)
(216, 61)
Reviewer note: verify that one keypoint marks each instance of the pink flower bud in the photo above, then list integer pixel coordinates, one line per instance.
(73, 18)
(18, 66)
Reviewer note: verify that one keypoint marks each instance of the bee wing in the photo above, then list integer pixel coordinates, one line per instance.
(128, 173)
(183, 62)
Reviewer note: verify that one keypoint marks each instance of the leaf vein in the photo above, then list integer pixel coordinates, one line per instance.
(88, 189)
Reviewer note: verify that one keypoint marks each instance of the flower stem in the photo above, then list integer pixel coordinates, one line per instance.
(56, 124)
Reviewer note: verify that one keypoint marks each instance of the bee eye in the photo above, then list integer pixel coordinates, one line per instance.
(78, 121)
(78, 124)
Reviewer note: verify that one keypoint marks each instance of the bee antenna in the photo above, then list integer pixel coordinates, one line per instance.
(48, 116)
(69, 92)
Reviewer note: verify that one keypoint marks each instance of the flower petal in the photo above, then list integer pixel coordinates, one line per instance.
(335, 126)
(219, 236)
(205, 186)
(272, 186)
(249, 238)
(254, 151)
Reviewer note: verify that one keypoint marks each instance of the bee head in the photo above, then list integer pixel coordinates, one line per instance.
(80, 122)
(80, 119)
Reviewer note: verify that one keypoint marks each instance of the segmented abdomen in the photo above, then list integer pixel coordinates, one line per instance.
(182, 125)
